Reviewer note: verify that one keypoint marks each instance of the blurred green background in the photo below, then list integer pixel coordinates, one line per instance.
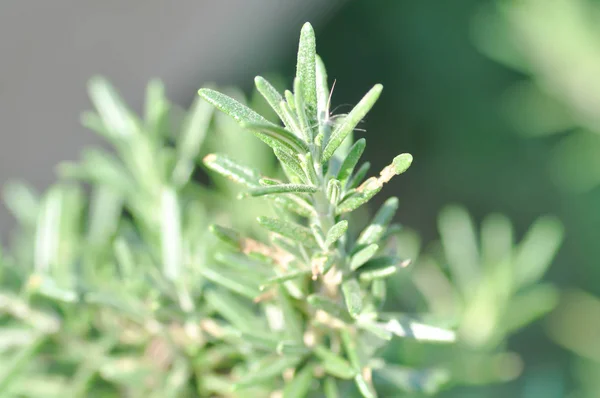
(444, 102)
(449, 70)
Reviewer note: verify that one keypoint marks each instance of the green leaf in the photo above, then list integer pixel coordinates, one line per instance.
(375, 329)
(170, 234)
(428, 381)
(380, 267)
(351, 120)
(280, 138)
(296, 205)
(271, 95)
(352, 297)
(47, 237)
(537, 249)
(303, 118)
(330, 388)
(366, 388)
(227, 235)
(309, 168)
(232, 170)
(409, 328)
(290, 101)
(289, 230)
(323, 303)
(362, 256)
(22, 201)
(294, 325)
(12, 370)
(47, 287)
(334, 191)
(334, 364)
(290, 119)
(378, 226)
(349, 342)
(319, 235)
(306, 67)
(358, 177)
(240, 113)
(291, 164)
(283, 189)
(195, 128)
(336, 232)
(118, 119)
(300, 384)
(529, 305)
(367, 190)
(234, 310)
(272, 368)
(156, 109)
(236, 282)
(402, 162)
(322, 91)
(284, 278)
(351, 160)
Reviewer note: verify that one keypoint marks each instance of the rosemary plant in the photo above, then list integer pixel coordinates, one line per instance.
(103, 296)
(318, 284)
(490, 290)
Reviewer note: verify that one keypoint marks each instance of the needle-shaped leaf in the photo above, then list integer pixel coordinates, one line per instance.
(300, 385)
(296, 205)
(289, 230)
(273, 367)
(234, 310)
(359, 176)
(322, 91)
(350, 121)
(349, 163)
(292, 165)
(428, 381)
(170, 234)
(284, 278)
(280, 138)
(11, 371)
(306, 67)
(336, 232)
(232, 170)
(323, 303)
(330, 388)
(538, 248)
(376, 229)
(353, 297)
(270, 94)
(227, 235)
(380, 267)
(156, 109)
(363, 256)
(239, 112)
(282, 189)
(365, 387)
(294, 326)
(195, 128)
(334, 364)
(410, 328)
(239, 283)
(117, 118)
(303, 117)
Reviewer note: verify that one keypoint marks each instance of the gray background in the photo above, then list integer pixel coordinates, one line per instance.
(49, 49)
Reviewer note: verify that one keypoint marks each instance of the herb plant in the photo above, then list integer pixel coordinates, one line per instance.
(319, 282)
(122, 291)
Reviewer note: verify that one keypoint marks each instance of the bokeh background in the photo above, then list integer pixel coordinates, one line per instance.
(473, 89)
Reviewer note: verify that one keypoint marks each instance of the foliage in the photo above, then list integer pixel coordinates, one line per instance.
(115, 287)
